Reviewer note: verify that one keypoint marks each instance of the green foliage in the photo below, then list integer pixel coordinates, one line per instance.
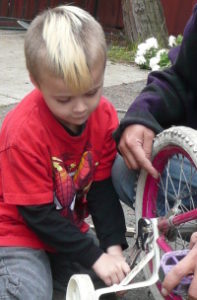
(179, 39)
(124, 54)
(164, 60)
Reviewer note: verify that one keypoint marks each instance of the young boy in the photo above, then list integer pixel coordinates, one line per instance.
(56, 153)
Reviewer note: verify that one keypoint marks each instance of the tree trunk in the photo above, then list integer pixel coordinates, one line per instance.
(143, 19)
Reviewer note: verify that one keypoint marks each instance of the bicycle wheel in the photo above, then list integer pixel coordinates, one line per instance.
(175, 157)
(80, 287)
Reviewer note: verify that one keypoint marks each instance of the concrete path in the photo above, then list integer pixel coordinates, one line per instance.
(14, 80)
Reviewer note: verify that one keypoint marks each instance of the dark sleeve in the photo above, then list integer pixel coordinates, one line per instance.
(107, 214)
(59, 233)
(170, 96)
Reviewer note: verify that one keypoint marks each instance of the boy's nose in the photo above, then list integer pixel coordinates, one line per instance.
(79, 106)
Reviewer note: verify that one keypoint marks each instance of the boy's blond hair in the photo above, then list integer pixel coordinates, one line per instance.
(66, 42)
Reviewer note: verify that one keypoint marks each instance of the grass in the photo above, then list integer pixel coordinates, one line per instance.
(123, 54)
(120, 49)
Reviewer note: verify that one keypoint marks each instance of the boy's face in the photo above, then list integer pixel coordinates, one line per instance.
(69, 109)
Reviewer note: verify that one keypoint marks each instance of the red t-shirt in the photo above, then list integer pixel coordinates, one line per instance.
(41, 163)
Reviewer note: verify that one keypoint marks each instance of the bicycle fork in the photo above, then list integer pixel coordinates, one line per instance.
(80, 287)
(146, 243)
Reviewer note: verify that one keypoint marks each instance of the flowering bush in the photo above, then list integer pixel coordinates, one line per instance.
(150, 56)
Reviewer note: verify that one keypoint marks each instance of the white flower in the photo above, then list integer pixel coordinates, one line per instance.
(140, 60)
(141, 50)
(149, 54)
(172, 41)
(152, 43)
(154, 61)
(155, 68)
(161, 51)
(142, 46)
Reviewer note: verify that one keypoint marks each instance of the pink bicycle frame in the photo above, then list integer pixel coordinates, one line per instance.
(164, 224)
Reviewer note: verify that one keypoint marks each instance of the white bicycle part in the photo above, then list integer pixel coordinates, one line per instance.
(181, 142)
(80, 287)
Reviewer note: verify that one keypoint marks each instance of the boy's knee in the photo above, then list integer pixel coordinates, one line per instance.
(26, 274)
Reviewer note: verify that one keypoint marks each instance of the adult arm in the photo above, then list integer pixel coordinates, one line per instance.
(162, 103)
(168, 99)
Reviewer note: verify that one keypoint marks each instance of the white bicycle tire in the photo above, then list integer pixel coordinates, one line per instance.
(80, 287)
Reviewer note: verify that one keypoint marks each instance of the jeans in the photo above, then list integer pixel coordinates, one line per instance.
(29, 274)
(180, 179)
(124, 181)
(24, 274)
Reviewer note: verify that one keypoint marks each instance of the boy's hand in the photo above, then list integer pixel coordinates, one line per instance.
(115, 250)
(136, 147)
(186, 266)
(111, 268)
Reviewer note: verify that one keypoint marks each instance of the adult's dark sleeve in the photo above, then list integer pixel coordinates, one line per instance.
(170, 96)
(107, 214)
(59, 233)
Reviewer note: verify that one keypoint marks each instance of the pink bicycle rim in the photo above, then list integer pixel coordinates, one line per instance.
(151, 190)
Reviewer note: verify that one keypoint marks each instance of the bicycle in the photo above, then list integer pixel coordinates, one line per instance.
(166, 214)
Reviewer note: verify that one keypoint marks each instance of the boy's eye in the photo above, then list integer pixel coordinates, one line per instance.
(63, 101)
(91, 93)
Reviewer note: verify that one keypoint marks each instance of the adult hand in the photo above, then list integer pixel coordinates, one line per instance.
(111, 268)
(186, 266)
(136, 147)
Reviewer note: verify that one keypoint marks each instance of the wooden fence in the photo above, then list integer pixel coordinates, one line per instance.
(107, 12)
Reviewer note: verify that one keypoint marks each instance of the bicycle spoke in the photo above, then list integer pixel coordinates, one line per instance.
(180, 199)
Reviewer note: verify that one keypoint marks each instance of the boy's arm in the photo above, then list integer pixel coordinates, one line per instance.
(59, 233)
(66, 239)
(107, 214)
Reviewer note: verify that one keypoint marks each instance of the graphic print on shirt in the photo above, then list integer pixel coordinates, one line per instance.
(71, 187)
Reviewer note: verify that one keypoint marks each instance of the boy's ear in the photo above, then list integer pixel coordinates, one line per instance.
(33, 81)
